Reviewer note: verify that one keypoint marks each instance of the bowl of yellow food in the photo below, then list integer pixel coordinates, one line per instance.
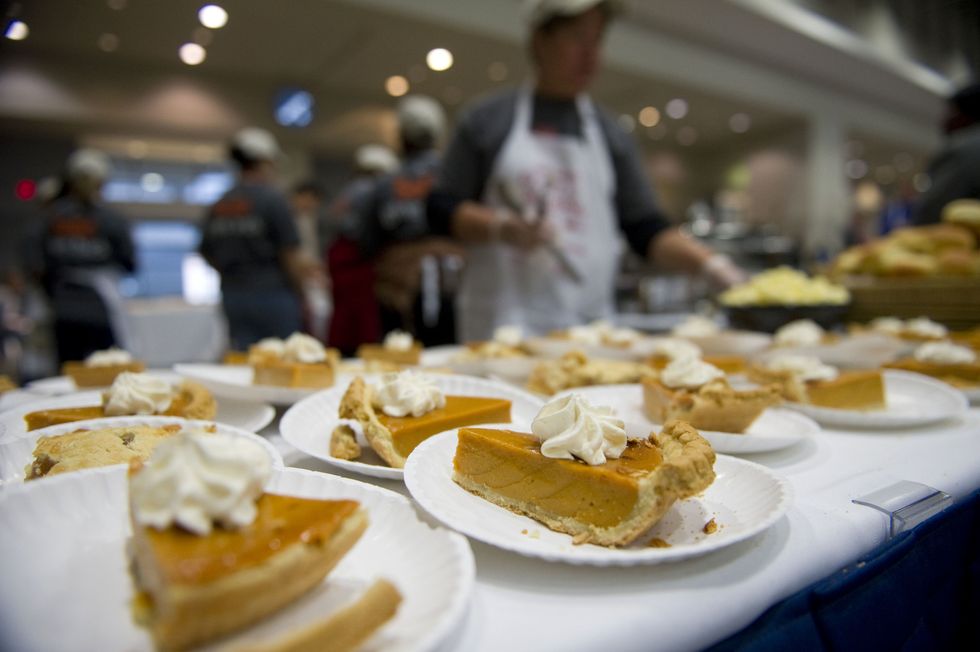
(779, 296)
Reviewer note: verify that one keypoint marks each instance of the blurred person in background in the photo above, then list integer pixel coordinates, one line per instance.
(356, 318)
(78, 251)
(249, 236)
(539, 184)
(307, 203)
(955, 172)
(415, 271)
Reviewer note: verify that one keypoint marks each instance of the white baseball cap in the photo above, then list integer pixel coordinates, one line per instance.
(375, 158)
(419, 117)
(88, 164)
(256, 144)
(537, 12)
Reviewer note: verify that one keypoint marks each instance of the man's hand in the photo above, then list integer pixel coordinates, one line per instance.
(524, 234)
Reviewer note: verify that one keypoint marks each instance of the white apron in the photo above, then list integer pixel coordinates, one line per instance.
(503, 285)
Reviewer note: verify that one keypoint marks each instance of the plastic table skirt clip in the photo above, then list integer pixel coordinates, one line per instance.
(906, 504)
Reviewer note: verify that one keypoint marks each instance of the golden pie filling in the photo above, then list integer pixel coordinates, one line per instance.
(408, 432)
(853, 390)
(282, 521)
(511, 464)
(57, 416)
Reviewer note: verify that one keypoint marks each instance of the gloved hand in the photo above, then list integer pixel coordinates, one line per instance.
(722, 272)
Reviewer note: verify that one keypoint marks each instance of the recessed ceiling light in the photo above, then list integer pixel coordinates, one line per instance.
(192, 54)
(676, 108)
(497, 71)
(687, 136)
(152, 182)
(212, 16)
(740, 123)
(649, 116)
(108, 42)
(396, 85)
(17, 30)
(439, 59)
(627, 122)
(922, 182)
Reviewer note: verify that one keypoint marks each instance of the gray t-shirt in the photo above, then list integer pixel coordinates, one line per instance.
(481, 132)
(244, 234)
(395, 209)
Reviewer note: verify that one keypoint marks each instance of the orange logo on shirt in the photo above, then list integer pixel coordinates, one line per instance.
(232, 208)
(413, 188)
(73, 227)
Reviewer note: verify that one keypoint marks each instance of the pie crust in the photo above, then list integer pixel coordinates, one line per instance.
(610, 504)
(713, 406)
(410, 356)
(575, 369)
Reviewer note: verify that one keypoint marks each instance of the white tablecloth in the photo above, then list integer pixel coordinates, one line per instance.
(526, 604)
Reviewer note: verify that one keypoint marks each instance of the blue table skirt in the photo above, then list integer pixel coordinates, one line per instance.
(918, 591)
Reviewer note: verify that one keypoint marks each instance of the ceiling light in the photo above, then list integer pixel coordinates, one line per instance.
(676, 108)
(921, 182)
(212, 16)
(649, 116)
(855, 168)
(17, 30)
(108, 42)
(687, 136)
(151, 182)
(396, 85)
(739, 123)
(439, 59)
(497, 71)
(192, 54)
(627, 122)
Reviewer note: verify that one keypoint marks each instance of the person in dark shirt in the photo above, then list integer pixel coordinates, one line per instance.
(415, 270)
(955, 172)
(249, 236)
(78, 252)
(540, 184)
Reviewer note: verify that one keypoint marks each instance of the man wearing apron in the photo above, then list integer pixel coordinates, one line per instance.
(539, 184)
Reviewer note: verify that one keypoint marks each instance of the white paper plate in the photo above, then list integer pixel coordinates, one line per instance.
(776, 428)
(861, 351)
(67, 587)
(439, 356)
(17, 454)
(743, 343)
(552, 347)
(972, 394)
(308, 424)
(745, 499)
(911, 400)
(240, 414)
(235, 381)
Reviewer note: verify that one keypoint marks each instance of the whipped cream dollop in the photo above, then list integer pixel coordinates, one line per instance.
(803, 367)
(674, 348)
(108, 358)
(571, 427)
(887, 325)
(270, 345)
(508, 335)
(398, 341)
(300, 347)
(945, 353)
(590, 334)
(689, 373)
(802, 332)
(407, 393)
(137, 393)
(925, 327)
(196, 480)
(696, 326)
